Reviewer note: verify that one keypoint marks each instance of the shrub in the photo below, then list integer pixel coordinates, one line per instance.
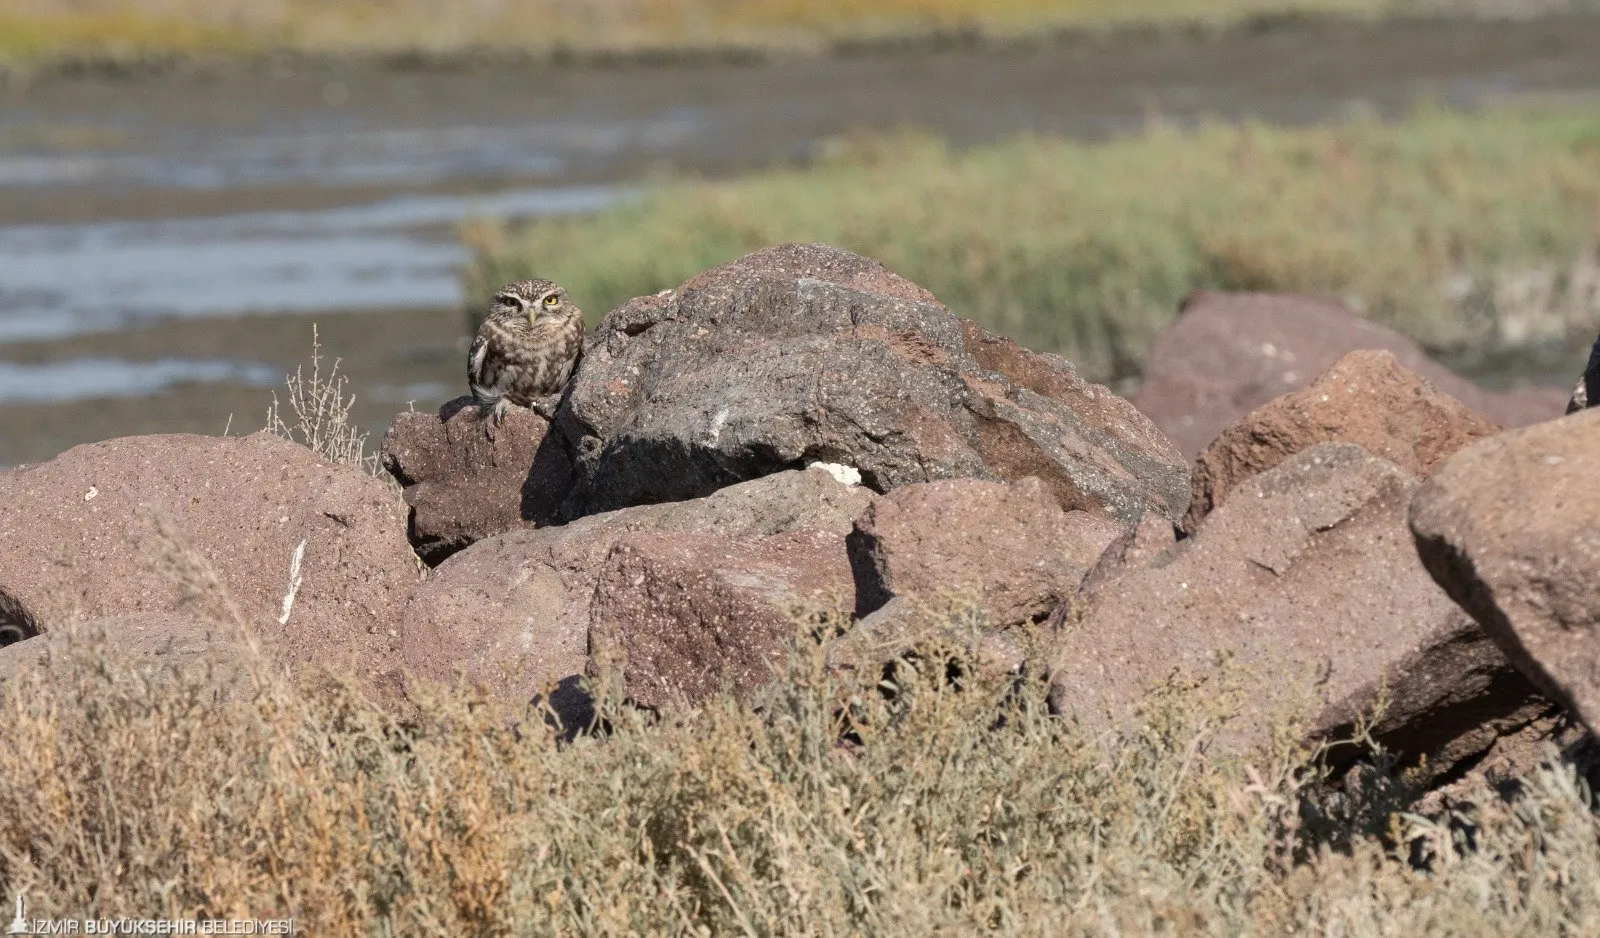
(826, 805)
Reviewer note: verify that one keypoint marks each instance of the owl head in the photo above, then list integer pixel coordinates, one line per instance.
(530, 299)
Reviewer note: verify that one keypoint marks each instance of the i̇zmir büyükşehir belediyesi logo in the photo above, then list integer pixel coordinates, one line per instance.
(21, 925)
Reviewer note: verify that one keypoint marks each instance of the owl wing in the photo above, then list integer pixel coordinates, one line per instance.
(484, 375)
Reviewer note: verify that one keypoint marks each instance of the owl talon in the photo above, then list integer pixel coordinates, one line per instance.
(495, 417)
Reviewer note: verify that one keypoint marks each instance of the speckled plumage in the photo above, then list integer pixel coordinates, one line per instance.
(527, 348)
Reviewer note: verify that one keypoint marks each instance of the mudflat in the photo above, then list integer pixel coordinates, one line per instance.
(174, 235)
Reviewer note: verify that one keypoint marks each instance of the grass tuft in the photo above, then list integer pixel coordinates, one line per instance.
(321, 408)
(1463, 231)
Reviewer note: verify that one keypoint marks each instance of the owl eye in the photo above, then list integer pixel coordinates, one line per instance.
(552, 300)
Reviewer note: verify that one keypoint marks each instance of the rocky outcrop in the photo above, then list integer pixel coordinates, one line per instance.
(464, 483)
(1229, 353)
(1307, 584)
(685, 616)
(513, 612)
(1509, 528)
(1501, 770)
(1007, 543)
(803, 353)
(1367, 398)
(311, 555)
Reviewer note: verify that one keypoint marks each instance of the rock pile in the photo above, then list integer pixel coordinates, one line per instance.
(1367, 399)
(801, 431)
(1229, 353)
(517, 611)
(1306, 584)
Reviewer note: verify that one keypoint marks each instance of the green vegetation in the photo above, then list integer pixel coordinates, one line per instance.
(33, 30)
(826, 806)
(1460, 230)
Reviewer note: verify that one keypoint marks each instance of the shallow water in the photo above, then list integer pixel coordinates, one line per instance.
(166, 243)
(62, 280)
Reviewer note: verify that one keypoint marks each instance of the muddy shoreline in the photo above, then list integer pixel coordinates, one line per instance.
(198, 183)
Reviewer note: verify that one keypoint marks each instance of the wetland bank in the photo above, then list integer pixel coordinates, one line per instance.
(175, 234)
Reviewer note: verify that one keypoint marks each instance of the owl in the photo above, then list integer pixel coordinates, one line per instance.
(526, 350)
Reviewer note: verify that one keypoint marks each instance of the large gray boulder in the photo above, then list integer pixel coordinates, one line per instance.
(1510, 527)
(802, 353)
(1306, 582)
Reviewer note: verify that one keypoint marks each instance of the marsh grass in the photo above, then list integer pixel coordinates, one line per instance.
(1461, 230)
(41, 29)
(826, 805)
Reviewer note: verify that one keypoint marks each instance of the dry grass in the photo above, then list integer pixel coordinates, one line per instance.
(321, 406)
(33, 29)
(824, 807)
(1464, 231)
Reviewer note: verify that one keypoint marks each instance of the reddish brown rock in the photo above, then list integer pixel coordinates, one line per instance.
(1136, 548)
(507, 615)
(802, 353)
(1510, 527)
(464, 484)
(1010, 544)
(1229, 353)
(512, 612)
(312, 555)
(1367, 398)
(1306, 582)
(687, 615)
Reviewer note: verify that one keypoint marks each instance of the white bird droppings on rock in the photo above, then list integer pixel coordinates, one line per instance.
(845, 474)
